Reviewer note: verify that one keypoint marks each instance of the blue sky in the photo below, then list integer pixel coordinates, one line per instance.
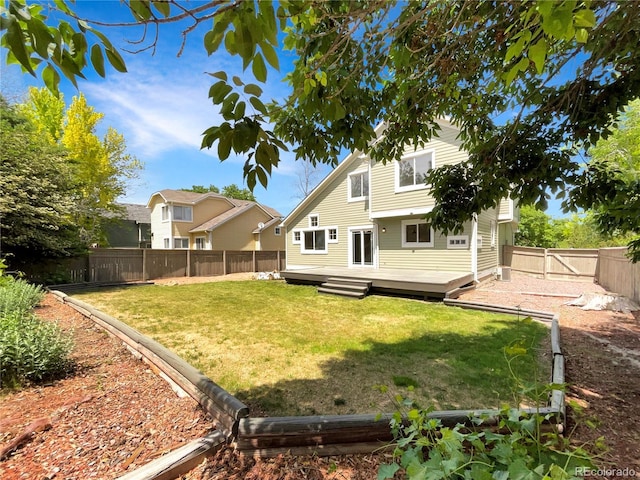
(161, 107)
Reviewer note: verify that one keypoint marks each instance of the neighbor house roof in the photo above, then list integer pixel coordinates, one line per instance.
(131, 211)
(215, 222)
(191, 198)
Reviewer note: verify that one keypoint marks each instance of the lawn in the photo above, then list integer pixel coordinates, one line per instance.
(286, 350)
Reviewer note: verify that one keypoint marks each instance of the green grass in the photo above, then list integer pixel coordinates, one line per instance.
(285, 350)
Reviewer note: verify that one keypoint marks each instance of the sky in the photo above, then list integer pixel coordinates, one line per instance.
(161, 107)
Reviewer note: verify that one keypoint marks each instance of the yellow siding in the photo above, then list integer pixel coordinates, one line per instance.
(270, 241)
(208, 209)
(393, 255)
(334, 210)
(236, 234)
(161, 229)
(487, 255)
(446, 151)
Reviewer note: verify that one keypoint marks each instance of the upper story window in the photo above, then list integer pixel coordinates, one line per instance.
(277, 231)
(314, 220)
(416, 233)
(165, 213)
(358, 186)
(183, 214)
(412, 169)
(296, 237)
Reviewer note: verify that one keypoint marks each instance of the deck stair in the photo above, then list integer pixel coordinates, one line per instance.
(346, 287)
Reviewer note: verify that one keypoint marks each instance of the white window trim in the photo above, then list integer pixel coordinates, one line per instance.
(329, 240)
(460, 246)
(165, 241)
(277, 231)
(293, 237)
(406, 244)
(165, 208)
(374, 229)
(304, 251)
(181, 238)
(493, 226)
(421, 186)
(361, 198)
(204, 242)
(317, 217)
(173, 216)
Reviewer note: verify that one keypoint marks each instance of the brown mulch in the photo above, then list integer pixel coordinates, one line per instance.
(113, 414)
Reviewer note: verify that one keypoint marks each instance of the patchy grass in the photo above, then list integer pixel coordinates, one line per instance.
(285, 350)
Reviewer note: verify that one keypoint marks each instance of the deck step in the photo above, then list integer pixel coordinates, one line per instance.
(342, 293)
(346, 287)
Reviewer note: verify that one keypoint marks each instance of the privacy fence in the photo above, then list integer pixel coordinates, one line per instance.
(610, 267)
(106, 265)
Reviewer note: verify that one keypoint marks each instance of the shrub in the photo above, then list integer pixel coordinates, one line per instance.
(30, 349)
(18, 296)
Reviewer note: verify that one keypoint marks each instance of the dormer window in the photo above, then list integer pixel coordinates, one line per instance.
(314, 220)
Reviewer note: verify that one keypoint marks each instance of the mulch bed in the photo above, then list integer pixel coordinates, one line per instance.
(113, 414)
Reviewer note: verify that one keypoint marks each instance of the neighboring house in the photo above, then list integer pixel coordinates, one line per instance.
(369, 215)
(132, 229)
(209, 221)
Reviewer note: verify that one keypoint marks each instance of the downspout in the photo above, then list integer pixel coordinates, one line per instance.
(474, 246)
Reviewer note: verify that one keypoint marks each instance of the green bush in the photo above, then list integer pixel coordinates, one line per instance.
(18, 296)
(31, 350)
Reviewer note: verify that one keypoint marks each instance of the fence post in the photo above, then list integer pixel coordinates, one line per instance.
(188, 272)
(255, 266)
(144, 265)
(545, 267)
(224, 262)
(278, 257)
(87, 268)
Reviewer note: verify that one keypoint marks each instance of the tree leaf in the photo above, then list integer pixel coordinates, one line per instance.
(270, 54)
(259, 68)
(163, 7)
(262, 176)
(221, 75)
(538, 54)
(212, 41)
(253, 89)
(258, 105)
(15, 41)
(224, 145)
(51, 78)
(97, 60)
(40, 37)
(219, 91)
(116, 60)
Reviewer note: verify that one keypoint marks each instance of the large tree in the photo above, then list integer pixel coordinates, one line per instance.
(529, 83)
(101, 167)
(37, 194)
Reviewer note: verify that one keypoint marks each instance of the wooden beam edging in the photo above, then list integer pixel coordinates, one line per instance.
(487, 307)
(179, 461)
(214, 399)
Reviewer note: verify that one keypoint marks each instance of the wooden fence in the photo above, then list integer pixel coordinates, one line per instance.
(553, 263)
(107, 265)
(617, 274)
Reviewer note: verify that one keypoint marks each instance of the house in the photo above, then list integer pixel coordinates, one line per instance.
(209, 221)
(131, 229)
(366, 220)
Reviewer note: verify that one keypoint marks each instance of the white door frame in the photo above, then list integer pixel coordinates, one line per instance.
(374, 245)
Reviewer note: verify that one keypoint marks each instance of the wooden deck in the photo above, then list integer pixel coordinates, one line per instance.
(413, 283)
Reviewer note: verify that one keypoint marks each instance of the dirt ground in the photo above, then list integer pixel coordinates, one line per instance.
(113, 414)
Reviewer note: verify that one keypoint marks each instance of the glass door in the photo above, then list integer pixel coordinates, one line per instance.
(362, 248)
